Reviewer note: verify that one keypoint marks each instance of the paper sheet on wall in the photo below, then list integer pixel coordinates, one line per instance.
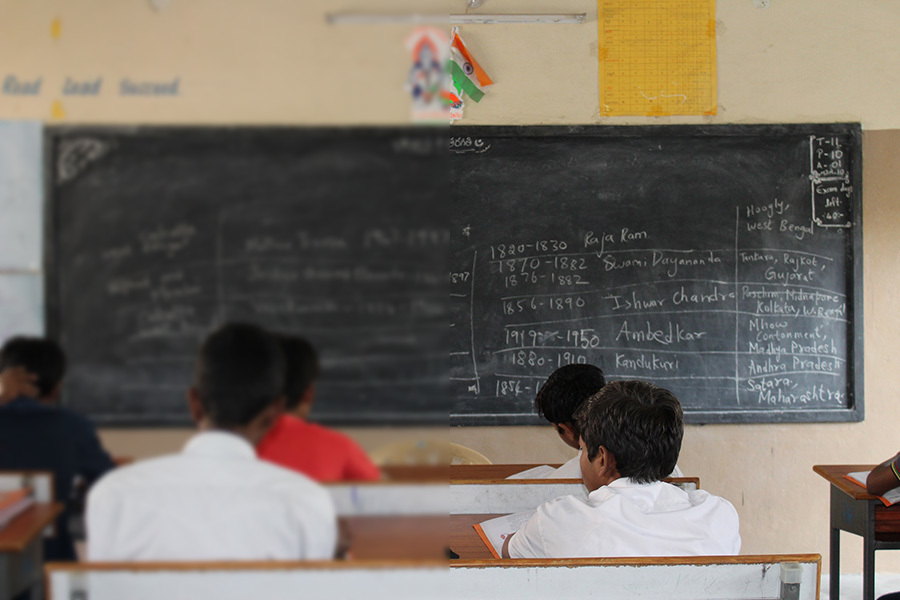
(657, 57)
(21, 196)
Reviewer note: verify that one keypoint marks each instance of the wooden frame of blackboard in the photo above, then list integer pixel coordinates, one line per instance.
(854, 410)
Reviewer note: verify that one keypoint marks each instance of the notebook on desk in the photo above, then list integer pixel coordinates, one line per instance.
(494, 532)
(859, 478)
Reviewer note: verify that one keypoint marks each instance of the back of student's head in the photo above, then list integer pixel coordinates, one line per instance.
(301, 368)
(565, 390)
(639, 423)
(239, 373)
(41, 357)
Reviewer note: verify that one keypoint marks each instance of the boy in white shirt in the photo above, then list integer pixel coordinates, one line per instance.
(216, 500)
(559, 397)
(567, 388)
(630, 435)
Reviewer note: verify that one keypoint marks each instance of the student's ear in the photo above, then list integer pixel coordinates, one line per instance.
(309, 395)
(195, 406)
(568, 433)
(605, 466)
(306, 401)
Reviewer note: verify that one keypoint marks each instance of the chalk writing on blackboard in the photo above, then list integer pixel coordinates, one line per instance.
(832, 192)
(76, 155)
(691, 262)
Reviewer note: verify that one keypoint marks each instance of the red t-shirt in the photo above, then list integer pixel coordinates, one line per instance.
(317, 452)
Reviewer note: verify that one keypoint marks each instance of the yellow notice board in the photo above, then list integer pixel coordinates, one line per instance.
(657, 57)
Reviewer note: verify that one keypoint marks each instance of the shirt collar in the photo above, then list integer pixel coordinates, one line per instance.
(219, 444)
(622, 483)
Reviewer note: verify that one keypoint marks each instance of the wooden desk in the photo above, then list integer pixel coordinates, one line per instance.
(399, 537)
(464, 539)
(491, 471)
(421, 473)
(698, 578)
(417, 473)
(22, 549)
(855, 511)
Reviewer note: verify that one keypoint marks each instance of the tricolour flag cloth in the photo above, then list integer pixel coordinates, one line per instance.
(468, 76)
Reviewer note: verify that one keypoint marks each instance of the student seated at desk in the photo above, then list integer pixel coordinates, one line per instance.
(631, 434)
(216, 500)
(36, 434)
(293, 442)
(567, 388)
(881, 480)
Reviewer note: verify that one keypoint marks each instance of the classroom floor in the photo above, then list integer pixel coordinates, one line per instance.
(851, 585)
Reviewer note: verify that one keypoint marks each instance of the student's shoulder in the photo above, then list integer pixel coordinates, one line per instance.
(144, 473)
(294, 489)
(711, 501)
(564, 507)
(280, 479)
(75, 419)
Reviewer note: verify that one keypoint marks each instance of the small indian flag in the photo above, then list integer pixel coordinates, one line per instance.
(467, 74)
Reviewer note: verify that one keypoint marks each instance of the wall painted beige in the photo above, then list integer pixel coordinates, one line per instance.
(275, 61)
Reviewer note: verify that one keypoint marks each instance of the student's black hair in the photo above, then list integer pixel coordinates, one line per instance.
(301, 368)
(238, 374)
(565, 390)
(41, 357)
(640, 424)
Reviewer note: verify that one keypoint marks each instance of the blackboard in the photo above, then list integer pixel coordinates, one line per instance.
(721, 262)
(157, 235)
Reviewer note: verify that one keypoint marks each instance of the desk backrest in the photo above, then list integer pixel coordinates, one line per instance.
(698, 578)
(39, 481)
(474, 497)
(502, 496)
(386, 499)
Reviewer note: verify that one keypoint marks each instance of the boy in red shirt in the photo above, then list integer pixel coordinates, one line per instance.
(317, 452)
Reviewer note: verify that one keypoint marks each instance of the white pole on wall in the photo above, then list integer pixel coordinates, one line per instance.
(454, 19)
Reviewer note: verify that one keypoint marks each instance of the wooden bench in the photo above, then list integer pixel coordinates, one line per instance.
(404, 520)
(775, 577)
(459, 497)
(22, 549)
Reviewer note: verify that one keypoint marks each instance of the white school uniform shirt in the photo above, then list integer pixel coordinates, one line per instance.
(626, 518)
(214, 501)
